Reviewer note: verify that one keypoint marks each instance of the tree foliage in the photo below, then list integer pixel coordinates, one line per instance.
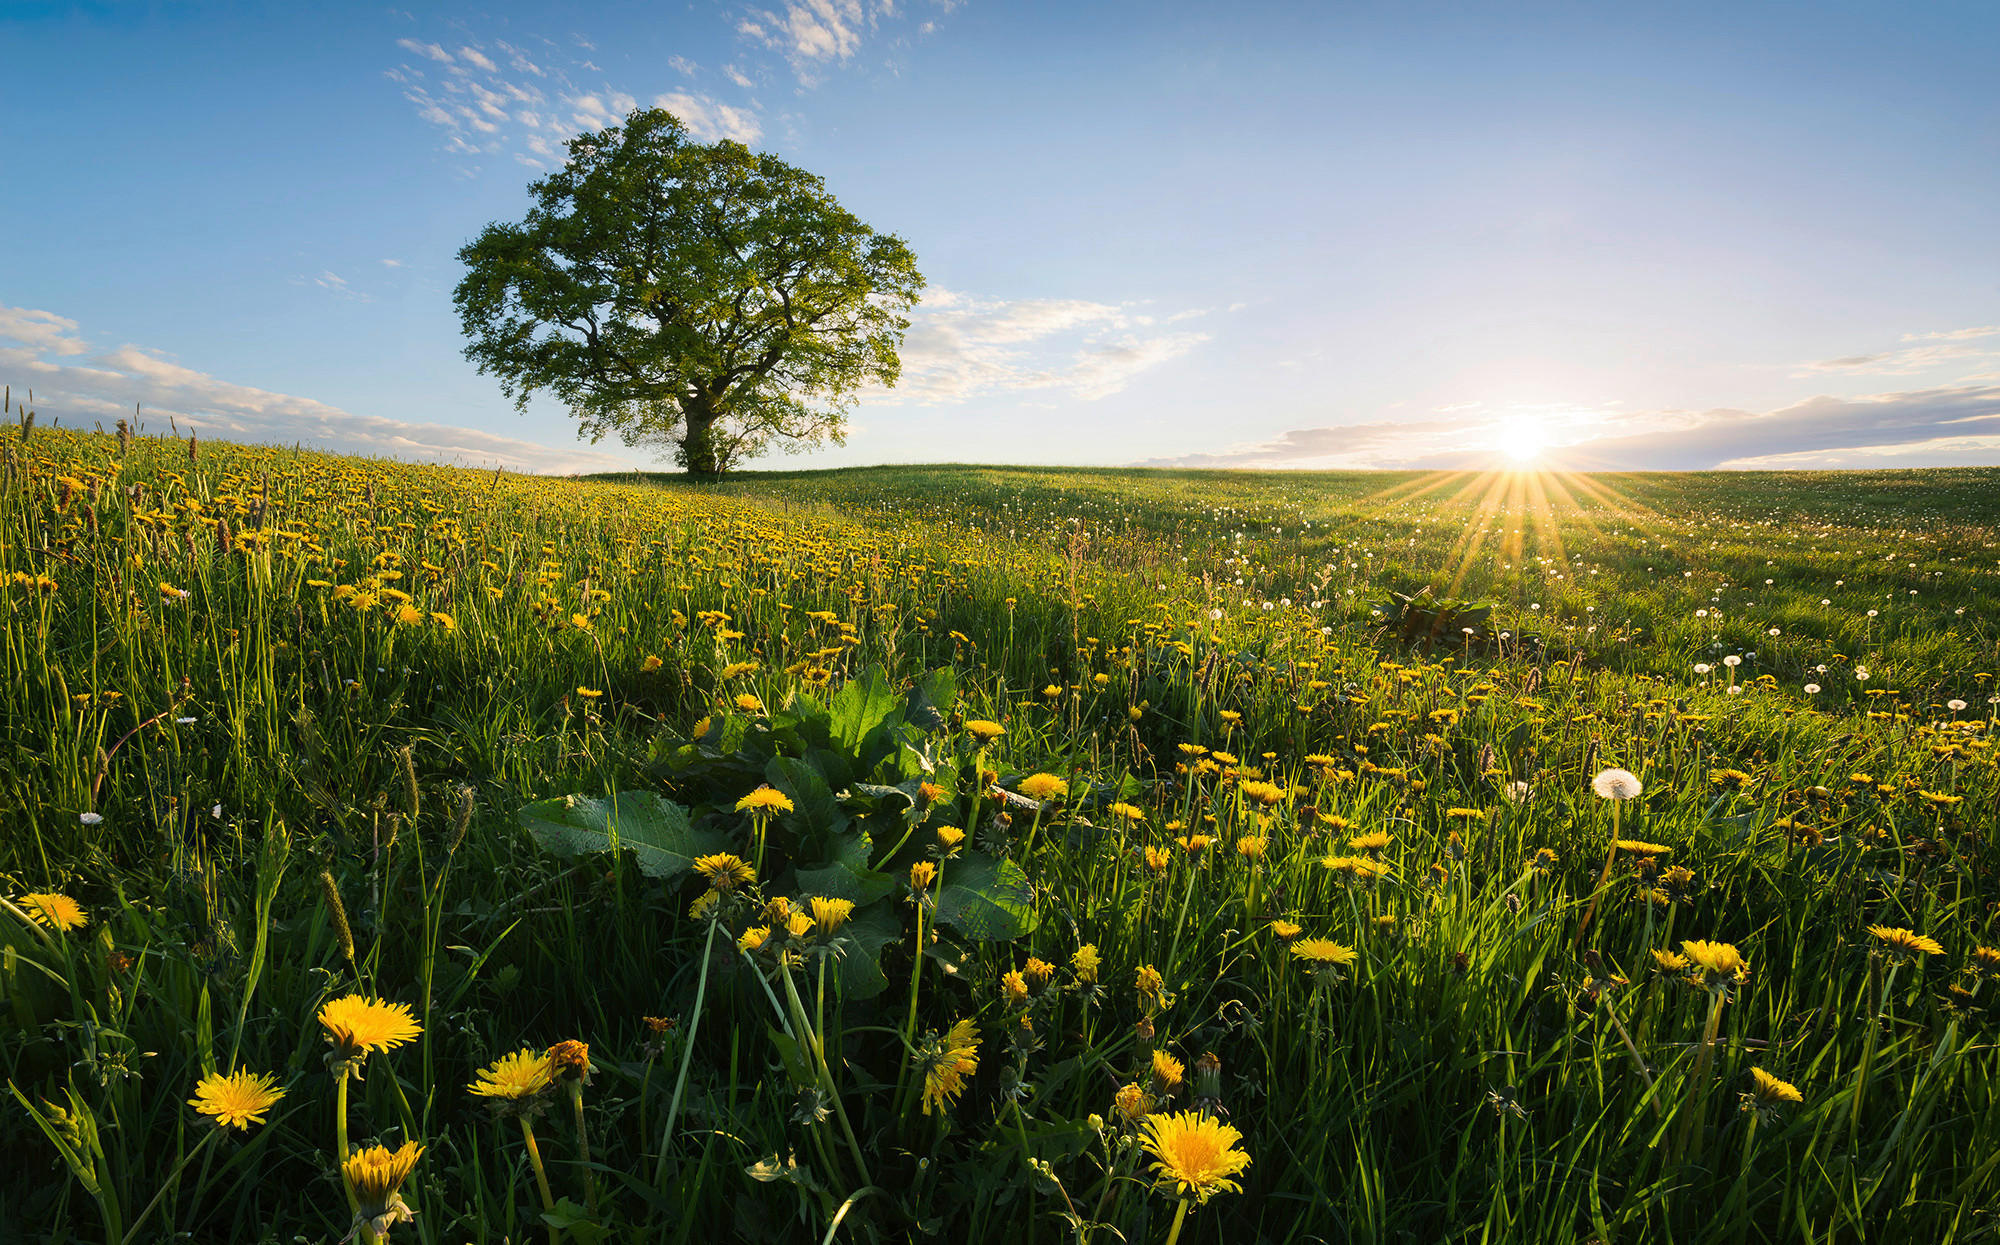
(698, 295)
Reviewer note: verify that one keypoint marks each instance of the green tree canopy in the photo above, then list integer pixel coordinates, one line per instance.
(698, 295)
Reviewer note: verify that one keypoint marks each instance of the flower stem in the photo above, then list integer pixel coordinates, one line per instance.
(541, 1175)
(1180, 1215)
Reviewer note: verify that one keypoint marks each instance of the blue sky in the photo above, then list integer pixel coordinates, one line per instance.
(1302, 235)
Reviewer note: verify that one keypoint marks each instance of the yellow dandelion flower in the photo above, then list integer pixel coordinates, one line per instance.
(1043, 787)
(1322, 953)
(749, 704)
(1264, 793)
(986, 732)
(765, 800)
(588, 693)
(1639, 847)
(725, 872)
(1127, 812)
(1372, 841)
(1158, 858)
(1167, 1071)
(1253, 846)
(1038, 970)
(1287, 930)
(1718, 961)
(922, 874)
(753, 938)
(1194, 1154)
(1670, 961)
(237, 1100)
(56, 911)
(1769, 1091)
(831, 914)
(376, 1175)
(358, 1025)
(798, 925)
(651, 664)
(1014, 988)
(1905, 943)
(514, 1077)
(949, 838)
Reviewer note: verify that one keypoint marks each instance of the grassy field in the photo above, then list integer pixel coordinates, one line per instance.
(958, 853)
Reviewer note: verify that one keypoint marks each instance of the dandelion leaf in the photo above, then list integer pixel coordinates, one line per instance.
(985, 898)
(657, 832)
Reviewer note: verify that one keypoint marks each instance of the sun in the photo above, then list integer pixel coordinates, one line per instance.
(1522, 439)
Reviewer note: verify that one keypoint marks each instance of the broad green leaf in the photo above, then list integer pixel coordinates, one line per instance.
(985, 898)
(656, 831)
(863, 704)
(840, 880)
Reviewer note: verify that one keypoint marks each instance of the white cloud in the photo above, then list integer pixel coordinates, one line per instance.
(42, 331)
(430, 50)
(681, 64)
(35, 347)
(708, 120)
(473, 56)
(959, 347)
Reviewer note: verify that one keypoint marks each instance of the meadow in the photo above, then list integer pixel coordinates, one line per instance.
(413, 853)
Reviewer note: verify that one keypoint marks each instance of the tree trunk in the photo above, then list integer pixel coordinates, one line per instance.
(698, 451)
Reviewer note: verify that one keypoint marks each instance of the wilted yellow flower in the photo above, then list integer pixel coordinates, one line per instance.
(1084, 962)
(1014, 988)
(1131, 1103)
(237, 1100)
(1194, 1154)
(947, 1062)
(570, 1058)
(1152, 987)
(1038, 970)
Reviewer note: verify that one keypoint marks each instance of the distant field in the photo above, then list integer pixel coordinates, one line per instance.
(1245, 835)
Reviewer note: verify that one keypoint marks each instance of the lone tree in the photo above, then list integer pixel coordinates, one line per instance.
(685, 293)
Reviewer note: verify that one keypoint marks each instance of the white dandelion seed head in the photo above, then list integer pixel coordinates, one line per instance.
(1812, 689)
(1954, 705)
(91, 819)
(1617, 784)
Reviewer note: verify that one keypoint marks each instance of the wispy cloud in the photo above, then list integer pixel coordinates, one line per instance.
(960, 347)
(47, 352)
(498, 100)
(1924, 352)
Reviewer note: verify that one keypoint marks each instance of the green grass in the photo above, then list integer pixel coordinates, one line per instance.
(1487, 1068)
